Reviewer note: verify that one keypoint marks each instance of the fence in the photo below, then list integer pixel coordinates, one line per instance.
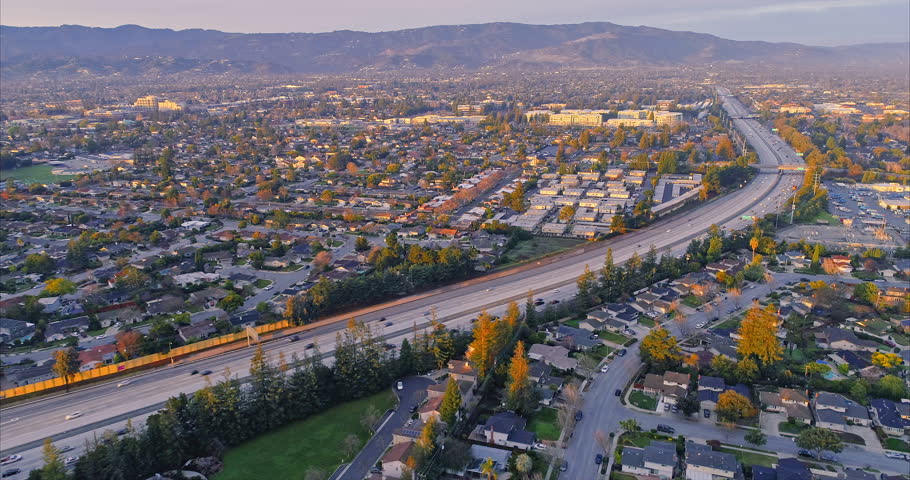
(141, 362)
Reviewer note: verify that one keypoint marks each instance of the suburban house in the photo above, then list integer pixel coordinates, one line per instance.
(197, 331)
(839, 339)
(555, 356)
(835, 412)
(394, 462)
(703, 463)
(462, 371)
(430, 408)
(887, 415)
(408, 433)
(795, 403)
(657, 459)
(127, 312)
(64, 328)
(97, 356)
(786, 469)
(12, 330)
(715, 384)
(671, 384)
(708, 398)
(479, 455)
(506, 429)
(438, 390)
(573, 338)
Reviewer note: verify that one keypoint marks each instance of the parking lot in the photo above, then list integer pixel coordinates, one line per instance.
(859, 204)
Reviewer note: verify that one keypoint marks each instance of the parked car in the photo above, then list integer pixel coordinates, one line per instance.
(122, 431)
(375, 469)
(578, 416)
(707, 413)
(400, 386)
(564, 466)
(899, 456)
(413, 408)
(622, 352)
(617, 392)
(666, 407)
(73, 415)
(665, 428)
(598, 459)
(802, 452)
(539, 446)
(675, 409)
(604, 368)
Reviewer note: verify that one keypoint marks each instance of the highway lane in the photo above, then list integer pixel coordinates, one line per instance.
(43, 417)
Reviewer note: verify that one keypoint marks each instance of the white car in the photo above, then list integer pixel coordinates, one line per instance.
(10, 459)
(73, 415)
(64, 449)
(539, 446)
(604, 368)
(70, 460)
(99, 337)
(700, 325)
(124, 383)
(400, 386)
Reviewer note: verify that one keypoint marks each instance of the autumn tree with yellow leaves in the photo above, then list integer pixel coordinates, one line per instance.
(660, 349)
(757, 336)
(519, 392)
(482, 351)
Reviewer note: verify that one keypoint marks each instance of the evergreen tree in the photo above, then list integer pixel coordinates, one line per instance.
(451, 402)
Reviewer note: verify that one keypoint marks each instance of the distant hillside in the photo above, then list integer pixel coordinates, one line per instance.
(73, 48)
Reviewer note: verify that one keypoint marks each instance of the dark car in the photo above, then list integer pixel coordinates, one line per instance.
(295, 338)
(205, 372)
(310, 345)
(617, 392)
(11, 472)
(805, 453)
(707, 413)
(122, 431)
(622, 352)
(539, 302)
(194, 372)
(564, 466)
(375, 470)
(554, 302)
(665, 428)
(598, 459)
(579, 416)
(804, 279)
(413, 408)
(389, 346)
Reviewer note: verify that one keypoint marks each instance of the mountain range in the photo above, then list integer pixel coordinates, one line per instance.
(129, 48)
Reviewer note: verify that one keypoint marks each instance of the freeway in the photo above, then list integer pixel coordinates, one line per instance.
(105, 403)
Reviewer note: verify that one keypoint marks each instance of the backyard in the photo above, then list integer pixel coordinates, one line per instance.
(545, 424)
(314, 443)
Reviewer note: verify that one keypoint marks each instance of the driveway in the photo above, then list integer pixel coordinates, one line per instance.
(413, 393)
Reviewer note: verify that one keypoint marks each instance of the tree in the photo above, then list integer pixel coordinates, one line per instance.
(566, 213)
(361, 244)
(128, 343)
(322, 261)
(66, 363)
(370, 417)
(866, 292)
(732, 406)
(887, 360)
(715, 247)
(53, 469)
(427, 440)
(659, 348)
(487, 468)
(451, 402)
(257, 259)
(131, 278)
(746, 370)
(618, 224)
(59, 286)
(350, 444)
(231, 302)
(891, 387)
(756, 437)
(688, 405)
(481, 351)
(818, 440)
(519, 387)
(758, 336)
(40, 263)
(524, 464)
(629, 425)
(753, 243)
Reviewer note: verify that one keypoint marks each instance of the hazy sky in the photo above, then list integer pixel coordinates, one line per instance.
(817, 22)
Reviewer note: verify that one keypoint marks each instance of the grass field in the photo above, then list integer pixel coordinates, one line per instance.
(544, 423)
(34, 173)
(539, 246)
(892, 443)
(749, 458)
(314, 443)
(640, 400)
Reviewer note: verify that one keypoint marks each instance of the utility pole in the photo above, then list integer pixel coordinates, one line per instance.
(792, 210)
(816, 177)
(777, 218)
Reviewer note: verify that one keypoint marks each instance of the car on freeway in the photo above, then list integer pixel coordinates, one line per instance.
(489, 289)
(122, 431)
(194, 372)
(604, 369)
(598, 459)
(426, 314)
(73, 415)
(124, 383)
(70, 460)
(400, 386)
(10, 459)
(389, 324)
(205, 372)
(617, 392)
(10, 472)
(64, 449)
(554, 302)
(309, 346)
(294, 338)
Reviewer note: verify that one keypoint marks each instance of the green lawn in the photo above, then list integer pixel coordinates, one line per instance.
(692, 301)
(34, 173)
(613, 337)
(316, 442)
(892, 443)
(793, 428)
(262, 283)
(851, 438)
(749, 458)
(545, 424)
(640, 400)
(600, 352)
(572, 323)
(646, 321)
(731, 323)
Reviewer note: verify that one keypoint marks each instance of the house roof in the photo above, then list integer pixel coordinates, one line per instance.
(888, 414)
(705, 381)
(792, 395)
(660, 453)
(704, 456)
(829, 399)
(398, 453)
(830, 416)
